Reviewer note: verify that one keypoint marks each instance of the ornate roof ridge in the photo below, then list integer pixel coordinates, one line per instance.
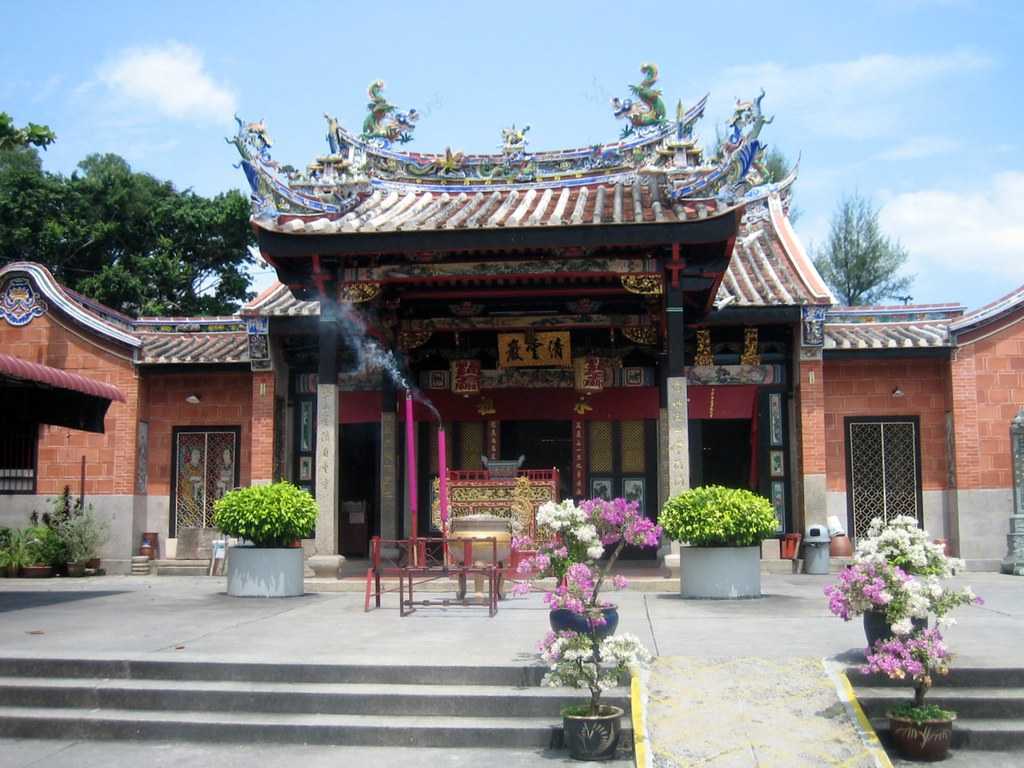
(991, 311)
(68, 302)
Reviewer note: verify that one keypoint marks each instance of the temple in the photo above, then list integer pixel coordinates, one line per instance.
(638, 315)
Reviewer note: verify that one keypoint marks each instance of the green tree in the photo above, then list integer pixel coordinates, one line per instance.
(858, 262)
(31, 135)
(124, 238)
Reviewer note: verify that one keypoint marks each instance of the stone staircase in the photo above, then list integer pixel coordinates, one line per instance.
(989, 704)
(500, 707)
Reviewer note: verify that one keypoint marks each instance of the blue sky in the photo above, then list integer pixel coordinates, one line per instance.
(915, 103)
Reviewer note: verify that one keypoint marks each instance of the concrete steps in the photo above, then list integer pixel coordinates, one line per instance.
(989, 703)
(181, 567)
(283, 703)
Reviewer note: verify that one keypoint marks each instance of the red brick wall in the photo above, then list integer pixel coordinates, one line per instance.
(263, 426)
(225, 400)
(109, 457)
(864, 388)
(812, 422)
(999, 380)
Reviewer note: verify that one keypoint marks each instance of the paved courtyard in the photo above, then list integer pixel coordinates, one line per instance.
(192, 618)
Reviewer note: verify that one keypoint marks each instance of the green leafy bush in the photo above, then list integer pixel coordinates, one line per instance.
(267, 515)
(17, 553)
(83, 535)
(713, 516)
(45, 547)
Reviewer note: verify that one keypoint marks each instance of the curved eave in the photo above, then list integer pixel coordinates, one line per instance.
(1009, 305)
(57, 297)
(718, 227)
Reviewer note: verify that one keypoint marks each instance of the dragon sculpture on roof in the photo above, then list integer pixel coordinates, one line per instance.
(384, 122)
(649, 110)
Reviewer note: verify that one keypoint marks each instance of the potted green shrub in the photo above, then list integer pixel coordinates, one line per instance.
(16, 554)
(722, 529)
(270, 518)
(46, 552)
(83, 535)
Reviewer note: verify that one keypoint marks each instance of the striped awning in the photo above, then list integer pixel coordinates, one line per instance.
(16, 368)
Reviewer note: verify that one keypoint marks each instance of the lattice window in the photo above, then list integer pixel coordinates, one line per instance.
(205, 468)
(600, 447)
(634, 458)
(471, 442)
(883, 470)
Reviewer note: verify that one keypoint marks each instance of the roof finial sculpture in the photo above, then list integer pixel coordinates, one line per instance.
(513, 140)
(649, 110)
(384, 122)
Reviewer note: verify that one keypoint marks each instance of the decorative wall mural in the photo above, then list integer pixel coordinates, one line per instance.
(775, 418)
(20, 302)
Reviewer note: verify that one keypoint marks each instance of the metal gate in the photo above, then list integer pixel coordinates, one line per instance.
(205, 468)
(883, 470)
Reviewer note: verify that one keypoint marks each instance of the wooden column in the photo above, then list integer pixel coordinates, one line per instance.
(389, 511)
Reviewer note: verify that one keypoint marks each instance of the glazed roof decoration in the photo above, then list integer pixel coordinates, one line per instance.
(657, 161)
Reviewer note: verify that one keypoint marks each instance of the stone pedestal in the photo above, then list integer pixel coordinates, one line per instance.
(1014, 561)
(325, 566)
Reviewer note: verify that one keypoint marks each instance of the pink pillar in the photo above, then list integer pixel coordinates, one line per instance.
(410, 462)
(442, 465)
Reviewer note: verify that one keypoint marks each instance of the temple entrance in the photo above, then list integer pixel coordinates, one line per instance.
(545, 444)
(720, 453)
(359, 517)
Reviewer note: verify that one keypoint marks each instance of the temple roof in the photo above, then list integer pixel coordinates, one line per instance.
(656, 172)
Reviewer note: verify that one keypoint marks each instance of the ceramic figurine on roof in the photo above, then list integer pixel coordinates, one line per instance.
(649, 110)
(513, 140)
(384, 122)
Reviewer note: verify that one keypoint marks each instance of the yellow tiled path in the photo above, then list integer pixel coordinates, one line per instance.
(739, 712)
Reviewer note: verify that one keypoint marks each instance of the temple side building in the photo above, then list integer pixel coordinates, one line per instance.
(637, 315)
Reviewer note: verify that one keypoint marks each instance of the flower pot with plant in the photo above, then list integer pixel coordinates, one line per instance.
(271, 517)
(896, 581)
(17, 553)
(47, 552)
(920, 731)
(591, 730)
(83, 535)
(571, 542)
(722, 529)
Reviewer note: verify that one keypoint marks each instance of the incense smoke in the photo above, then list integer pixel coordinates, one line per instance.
(370, 355)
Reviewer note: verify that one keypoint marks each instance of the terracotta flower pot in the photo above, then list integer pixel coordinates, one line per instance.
(76, 569)
(93, 563)
(928, 740)
(36, 571)
(840, 546)
(593, 737)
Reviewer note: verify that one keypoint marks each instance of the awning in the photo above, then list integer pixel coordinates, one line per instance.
(38, 393)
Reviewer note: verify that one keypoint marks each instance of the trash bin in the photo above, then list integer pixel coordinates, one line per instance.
(816, 550)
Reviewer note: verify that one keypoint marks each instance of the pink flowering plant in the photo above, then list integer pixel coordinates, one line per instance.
(582, 661)
(917, 657)
(899, 573)
(571, 540)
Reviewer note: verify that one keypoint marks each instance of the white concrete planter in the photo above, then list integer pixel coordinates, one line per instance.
(254, 572)
(720, 573)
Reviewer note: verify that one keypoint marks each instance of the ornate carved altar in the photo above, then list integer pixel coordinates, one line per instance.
(516, 498)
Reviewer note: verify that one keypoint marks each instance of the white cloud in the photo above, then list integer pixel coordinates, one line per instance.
(977, 232)
(172, 79)
(854, 99)
(918, 147)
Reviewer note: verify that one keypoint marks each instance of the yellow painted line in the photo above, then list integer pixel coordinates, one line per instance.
(867, 732)
(638, 712)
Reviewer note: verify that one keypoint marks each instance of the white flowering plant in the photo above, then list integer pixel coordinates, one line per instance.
(900, 541)
(898, 571)
(582, 661)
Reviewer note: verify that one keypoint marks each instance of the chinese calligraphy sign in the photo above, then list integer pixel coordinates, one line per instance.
(521, 350)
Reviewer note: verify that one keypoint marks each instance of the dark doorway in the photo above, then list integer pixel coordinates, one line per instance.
(720, 452)
(360, 510)
(545, 444)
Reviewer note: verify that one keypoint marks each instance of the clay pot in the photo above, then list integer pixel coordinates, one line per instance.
(840, 546)
(928, 740)
(593, 737)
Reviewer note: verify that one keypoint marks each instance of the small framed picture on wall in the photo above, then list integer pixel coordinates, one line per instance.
(633, 490)
(777, 463)
(601, 488)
